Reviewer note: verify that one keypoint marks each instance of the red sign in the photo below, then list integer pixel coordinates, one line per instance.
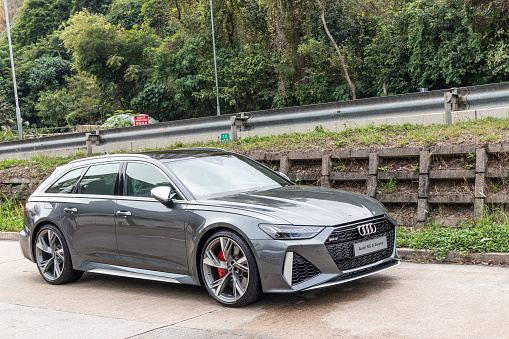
(140, 120)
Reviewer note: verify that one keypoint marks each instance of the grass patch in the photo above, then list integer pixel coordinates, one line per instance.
(487, 234)
(41, 162)
(399, 135)
(8, 136)
(11, 215)
(388, 187)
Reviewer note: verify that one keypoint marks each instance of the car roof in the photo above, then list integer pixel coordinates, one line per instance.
(183, 153)
(173, 154)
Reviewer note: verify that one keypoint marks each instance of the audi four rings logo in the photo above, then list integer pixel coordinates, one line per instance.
(366, 229)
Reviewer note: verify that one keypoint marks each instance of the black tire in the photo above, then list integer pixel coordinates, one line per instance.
(235, 288)
(52, 256)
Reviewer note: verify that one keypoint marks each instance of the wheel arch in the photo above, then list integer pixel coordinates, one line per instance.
(207, 234)
(40, 224)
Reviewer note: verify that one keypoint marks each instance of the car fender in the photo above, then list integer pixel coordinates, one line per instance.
(198, 232)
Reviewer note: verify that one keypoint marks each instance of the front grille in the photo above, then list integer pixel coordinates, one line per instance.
(340, 244)
(302, 269)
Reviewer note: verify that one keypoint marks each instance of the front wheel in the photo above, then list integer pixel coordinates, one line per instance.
(229, 270)
(53, 258)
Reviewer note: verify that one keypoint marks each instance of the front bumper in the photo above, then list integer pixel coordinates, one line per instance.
(298, 265)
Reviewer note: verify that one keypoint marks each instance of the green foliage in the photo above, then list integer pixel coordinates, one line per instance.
(7, 135)
(246, 78)
(118, 60)
(43, 163)
(388, 186)
(87, 105)
(39, 18)
(155, 56)
(11, 215)
(48, 73)
(445, 49)
(341, 166)
(152, 99)
(54, 106)
(126, 13)
(181, 69)
(155, 14)
(487, 234)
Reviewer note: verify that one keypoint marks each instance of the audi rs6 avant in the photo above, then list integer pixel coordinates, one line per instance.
(202, 217)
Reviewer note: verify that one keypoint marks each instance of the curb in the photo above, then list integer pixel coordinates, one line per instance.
(9, 236)
(453, 257)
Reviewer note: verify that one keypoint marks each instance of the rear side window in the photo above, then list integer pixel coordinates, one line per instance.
(141, 178)
(99, 180)
(66, 183)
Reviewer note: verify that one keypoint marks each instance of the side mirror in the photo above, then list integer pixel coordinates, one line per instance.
(163, 194)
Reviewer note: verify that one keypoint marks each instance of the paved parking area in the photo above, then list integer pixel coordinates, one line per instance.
(409, 301)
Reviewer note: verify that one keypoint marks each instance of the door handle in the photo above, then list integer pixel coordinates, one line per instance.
(70, 210)
(123, 213)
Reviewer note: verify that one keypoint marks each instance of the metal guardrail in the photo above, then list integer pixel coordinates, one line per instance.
(474, 97)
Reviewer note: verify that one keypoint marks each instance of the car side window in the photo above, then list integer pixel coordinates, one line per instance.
(141, 178)
(99, 180)
(66, 183)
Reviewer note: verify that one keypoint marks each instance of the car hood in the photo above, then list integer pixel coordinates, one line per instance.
(305, 205)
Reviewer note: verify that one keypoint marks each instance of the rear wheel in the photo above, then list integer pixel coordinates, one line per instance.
(229, 270)
(53, 258)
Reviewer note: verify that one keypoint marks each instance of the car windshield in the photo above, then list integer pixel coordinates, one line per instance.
(219, 175)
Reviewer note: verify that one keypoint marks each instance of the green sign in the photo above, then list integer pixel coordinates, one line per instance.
(225, 137)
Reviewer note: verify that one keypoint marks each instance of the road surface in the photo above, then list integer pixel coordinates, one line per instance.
(409, 301)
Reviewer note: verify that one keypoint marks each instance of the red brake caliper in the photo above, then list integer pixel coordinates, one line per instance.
(221, 271)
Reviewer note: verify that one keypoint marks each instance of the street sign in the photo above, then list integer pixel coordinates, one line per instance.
(140, 120)
(225, 137)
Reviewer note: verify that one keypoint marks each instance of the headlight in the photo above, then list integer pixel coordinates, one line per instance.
(288, 232)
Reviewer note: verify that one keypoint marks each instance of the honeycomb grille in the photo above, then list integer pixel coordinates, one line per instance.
(302, 269)
(340, 244)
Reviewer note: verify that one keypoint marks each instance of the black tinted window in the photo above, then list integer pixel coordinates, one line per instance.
(66, 182)
(141, 178)
(99, 180)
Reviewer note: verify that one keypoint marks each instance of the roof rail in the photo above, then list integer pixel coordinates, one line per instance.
(111, 156)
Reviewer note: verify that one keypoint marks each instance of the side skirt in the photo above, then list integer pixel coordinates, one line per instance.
(130, 272)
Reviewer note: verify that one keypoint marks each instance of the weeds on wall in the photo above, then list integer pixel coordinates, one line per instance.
(490, 233)
(11, 215)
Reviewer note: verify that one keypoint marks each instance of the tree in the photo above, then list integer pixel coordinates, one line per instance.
(342, 63)
(119, 60)
(126, 13)
(48, 73)
(53, 107)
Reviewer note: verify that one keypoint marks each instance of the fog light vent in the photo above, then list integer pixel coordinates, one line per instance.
(302, 269)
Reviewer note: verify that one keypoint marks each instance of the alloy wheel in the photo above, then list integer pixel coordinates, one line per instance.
(49, 254)
(226, 269)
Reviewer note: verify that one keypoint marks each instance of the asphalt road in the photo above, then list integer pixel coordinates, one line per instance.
(409, 301)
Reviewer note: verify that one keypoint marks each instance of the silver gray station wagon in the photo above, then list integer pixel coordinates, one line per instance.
(202, 217)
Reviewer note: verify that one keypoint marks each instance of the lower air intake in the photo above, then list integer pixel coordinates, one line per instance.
(302, 269)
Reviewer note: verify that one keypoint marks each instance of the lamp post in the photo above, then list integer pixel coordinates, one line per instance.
(18, 113)
(215, 62)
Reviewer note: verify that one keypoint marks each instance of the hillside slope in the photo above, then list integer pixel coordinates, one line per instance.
(13, 6)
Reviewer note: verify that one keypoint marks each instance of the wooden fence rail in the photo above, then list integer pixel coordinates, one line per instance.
(447, 183)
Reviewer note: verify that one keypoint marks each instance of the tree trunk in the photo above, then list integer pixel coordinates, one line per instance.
(341, 59)
(179, 16)
(231, 33)
(296, 37)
